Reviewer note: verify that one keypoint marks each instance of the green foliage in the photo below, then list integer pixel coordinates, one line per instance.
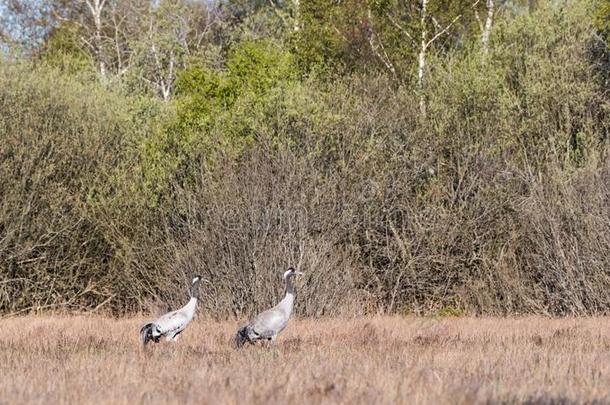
(256, 67)
(345, 37)
(70, 194)
(253, 70)
(494, 202)
(602, 19)
(540, 58)
(215, 107)
(335, 37)
(450, 312)
(318, 43)
(64, 49)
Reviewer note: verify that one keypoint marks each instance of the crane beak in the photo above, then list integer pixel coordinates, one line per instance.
(300, 273)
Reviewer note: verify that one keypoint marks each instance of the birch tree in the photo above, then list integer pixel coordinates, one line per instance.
(165, 48)
(486, 27)
(425, 44)
(96, 7)
(488, 23)
(174, 34)
(140, 43)
(377, 46)
(420, 30)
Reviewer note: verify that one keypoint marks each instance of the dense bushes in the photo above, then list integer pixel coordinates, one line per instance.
(71, 205)
(217, 109)
(59, 148)
(496, 202)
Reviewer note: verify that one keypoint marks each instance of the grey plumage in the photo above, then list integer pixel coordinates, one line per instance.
(270, 323)
(173, 323)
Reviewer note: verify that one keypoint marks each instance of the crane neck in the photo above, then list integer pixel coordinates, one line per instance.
(191, 306)
(289, 286)
(192, 302)
(194, 290)
(288, 301)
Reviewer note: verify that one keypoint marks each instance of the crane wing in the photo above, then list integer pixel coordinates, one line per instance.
(269, 323)
(171, 322)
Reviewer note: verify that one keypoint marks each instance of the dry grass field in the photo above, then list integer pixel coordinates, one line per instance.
(82, 359)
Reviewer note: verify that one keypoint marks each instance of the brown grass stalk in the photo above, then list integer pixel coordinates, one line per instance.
(91, 359)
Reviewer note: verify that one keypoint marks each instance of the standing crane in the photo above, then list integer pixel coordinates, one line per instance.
(173, 323)
(270, 323)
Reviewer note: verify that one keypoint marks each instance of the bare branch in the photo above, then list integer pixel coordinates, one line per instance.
(400, 28)
(372, 36)
(438, 34)
(437, 25)
(476, 15)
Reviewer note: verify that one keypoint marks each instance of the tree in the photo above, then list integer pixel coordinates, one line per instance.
(485, 28)
(411, 29)
(338, 36)
(139, 42)
(96, 7)
(25, 23)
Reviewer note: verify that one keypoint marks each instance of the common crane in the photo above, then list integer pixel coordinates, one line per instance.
(268, 324)
(173, 323)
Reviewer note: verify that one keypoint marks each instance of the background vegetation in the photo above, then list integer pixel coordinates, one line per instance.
(143, 142)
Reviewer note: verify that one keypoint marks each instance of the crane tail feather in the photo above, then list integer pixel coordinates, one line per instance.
(146, 334)
(242, 336)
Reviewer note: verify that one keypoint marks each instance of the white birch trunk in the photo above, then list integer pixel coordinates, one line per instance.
(487, 27)
(421, 66)
(96, 7)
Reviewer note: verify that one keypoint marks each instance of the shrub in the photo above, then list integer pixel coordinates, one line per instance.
(495, 203)
(217, 110)
(68, 201)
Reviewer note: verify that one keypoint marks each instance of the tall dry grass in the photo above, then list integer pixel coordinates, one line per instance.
(80, 359)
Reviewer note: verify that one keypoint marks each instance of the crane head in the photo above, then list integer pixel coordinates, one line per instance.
(291, 272)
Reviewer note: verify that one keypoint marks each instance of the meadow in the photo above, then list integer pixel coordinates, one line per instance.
(416, 360)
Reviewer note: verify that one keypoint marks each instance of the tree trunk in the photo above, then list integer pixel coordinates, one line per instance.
(487, 28)
(421, 67)
(96, 8)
